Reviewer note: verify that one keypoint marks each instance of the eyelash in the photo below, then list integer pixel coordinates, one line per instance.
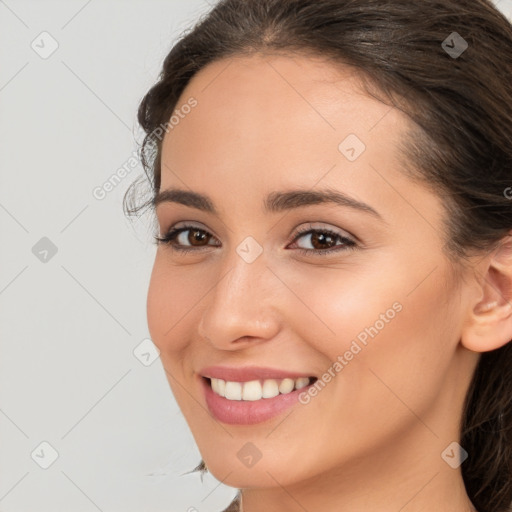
(349, 244)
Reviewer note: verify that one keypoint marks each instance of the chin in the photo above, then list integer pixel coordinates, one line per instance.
(260, 475)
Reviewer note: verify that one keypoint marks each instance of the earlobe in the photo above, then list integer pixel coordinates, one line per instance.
(489, 322)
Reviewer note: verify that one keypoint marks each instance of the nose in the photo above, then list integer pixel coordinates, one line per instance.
(243, 307)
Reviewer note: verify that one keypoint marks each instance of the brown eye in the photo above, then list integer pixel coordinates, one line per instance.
(321, 240)
(196, 236)
(186, 238)
(324, 241)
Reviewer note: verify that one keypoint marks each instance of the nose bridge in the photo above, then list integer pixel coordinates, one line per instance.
(241, 303)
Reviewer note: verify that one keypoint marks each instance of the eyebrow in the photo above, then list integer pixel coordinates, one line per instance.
(275, 202)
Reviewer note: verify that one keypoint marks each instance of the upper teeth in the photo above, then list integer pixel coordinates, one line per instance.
(255, 390)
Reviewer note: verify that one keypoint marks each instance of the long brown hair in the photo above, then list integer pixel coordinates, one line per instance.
(461, 105)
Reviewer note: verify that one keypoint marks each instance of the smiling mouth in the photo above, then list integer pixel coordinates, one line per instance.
(257, 389)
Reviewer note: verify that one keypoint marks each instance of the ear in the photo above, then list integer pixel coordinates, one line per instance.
(489, 322)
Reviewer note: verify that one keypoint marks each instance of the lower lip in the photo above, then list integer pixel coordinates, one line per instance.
(246, 412)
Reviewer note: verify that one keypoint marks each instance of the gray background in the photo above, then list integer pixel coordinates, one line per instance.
(73, 372)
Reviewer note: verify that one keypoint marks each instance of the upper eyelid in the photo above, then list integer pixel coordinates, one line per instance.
(179, 228)
(185, 226)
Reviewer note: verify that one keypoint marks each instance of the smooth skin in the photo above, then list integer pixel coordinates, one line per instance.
(372, 439)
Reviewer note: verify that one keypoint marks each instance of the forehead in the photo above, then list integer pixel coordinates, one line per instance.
(262, 111)
(295, 76)
(262, 86)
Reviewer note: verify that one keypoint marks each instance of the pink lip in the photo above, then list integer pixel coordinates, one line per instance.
(248, 373)
(242, 412)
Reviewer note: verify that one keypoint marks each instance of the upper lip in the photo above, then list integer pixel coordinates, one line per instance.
(248, 373)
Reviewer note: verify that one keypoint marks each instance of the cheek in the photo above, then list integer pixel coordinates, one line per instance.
(390, 303)
(156, 305)
(171, 299)
(393, 331)
(345, 303)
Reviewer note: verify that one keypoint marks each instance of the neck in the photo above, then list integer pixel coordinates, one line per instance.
(410, 476)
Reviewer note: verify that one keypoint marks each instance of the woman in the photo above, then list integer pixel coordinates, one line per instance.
(330, 294)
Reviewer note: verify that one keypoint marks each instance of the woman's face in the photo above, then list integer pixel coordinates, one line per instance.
(380, 314)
